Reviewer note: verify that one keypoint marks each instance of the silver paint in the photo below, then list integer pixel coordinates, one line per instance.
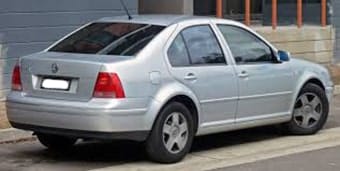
(238, 96)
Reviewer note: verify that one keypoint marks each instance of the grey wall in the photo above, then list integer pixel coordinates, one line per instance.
(166, 6)
(336, 22)
(28, 26)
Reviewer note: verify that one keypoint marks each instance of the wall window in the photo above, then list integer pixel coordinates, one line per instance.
(246, 47)
(232, 9)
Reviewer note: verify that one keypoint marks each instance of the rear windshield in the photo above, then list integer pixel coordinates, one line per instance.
(124, 39)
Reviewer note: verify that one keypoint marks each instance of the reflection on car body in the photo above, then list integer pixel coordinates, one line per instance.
(162, 80)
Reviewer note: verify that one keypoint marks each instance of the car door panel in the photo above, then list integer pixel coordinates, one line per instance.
(266, 90)
(216, 89)
(210, 78)
(265, 84)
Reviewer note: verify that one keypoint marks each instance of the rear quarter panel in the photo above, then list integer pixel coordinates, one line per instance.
(147, 76)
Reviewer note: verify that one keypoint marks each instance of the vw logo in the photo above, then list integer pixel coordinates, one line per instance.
(54, 68)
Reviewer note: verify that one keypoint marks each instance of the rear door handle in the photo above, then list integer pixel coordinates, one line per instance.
(243, 74)
(190, 77)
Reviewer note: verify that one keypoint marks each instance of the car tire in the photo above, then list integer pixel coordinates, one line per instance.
(56, 142)
(310, 111)
(168, 141)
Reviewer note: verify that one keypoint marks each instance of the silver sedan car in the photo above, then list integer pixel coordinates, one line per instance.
(162, 80)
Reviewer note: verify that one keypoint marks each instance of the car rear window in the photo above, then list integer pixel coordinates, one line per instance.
(124, 39)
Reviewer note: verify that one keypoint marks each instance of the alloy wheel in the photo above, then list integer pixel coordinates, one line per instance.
(307, 110)
(175, 132)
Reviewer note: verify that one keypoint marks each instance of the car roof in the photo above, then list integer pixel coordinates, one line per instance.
(163, 20)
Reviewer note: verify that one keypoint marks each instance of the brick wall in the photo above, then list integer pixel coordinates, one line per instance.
(313, 43)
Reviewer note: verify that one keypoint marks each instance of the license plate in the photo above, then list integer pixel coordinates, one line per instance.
(55, 84)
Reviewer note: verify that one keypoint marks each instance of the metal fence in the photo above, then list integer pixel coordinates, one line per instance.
(274, 12)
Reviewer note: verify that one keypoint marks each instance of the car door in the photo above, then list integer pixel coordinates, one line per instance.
(265, 84)
(197, 61)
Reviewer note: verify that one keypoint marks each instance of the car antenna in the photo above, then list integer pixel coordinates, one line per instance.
(126, 10)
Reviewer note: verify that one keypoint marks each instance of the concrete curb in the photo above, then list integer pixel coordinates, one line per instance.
(12, 135)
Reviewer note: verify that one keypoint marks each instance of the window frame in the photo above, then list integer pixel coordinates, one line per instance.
(272, 50)
(180, 33)
(186, 50)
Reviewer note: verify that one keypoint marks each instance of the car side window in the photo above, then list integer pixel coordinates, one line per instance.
(203, 46)
(246, 47)
(177, 53)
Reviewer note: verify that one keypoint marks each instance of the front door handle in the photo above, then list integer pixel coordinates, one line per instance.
(243, 74)
(190, 77)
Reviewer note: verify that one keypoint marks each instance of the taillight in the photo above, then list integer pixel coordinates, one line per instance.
(108, 85)
(16, 79)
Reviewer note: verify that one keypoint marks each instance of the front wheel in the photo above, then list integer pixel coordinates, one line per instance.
(310, 111)
(172, 135)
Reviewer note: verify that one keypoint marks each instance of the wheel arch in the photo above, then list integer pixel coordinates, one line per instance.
(178, 93)
(295, 128)
(190, 104)
(315, 81)
(308, 78)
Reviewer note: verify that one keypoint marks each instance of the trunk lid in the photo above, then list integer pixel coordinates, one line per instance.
(42, 72)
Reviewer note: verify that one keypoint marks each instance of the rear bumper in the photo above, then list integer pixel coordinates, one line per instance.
(98, 118)
(134, 135)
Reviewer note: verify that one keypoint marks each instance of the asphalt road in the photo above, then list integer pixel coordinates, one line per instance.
(325, 160)
(86, 156)
(94, 155)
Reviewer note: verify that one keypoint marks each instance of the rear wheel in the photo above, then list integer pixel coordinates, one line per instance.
(172, 135)
(310, 111)
(56, 142)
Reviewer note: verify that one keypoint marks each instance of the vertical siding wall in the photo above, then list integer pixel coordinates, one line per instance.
(166, 7)
(28, 26)
(336, 23)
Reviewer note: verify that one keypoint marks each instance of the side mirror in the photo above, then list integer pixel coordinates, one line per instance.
(283, 56)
